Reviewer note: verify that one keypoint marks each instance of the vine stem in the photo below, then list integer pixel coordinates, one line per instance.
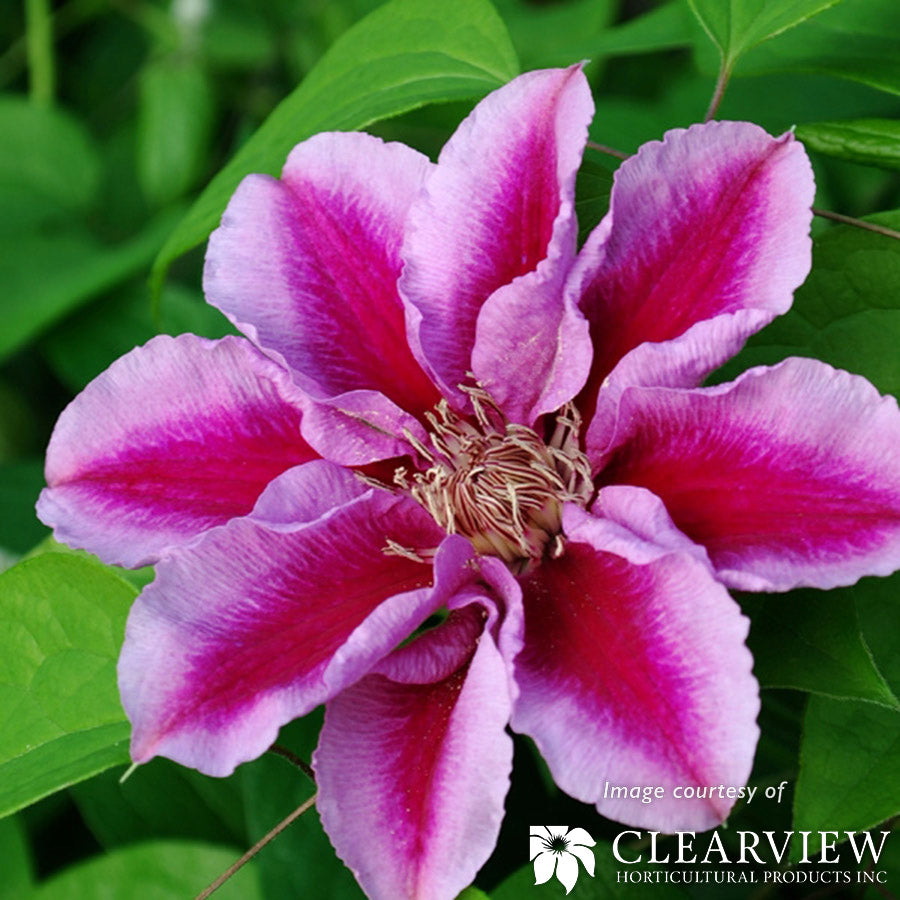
(609, 151)
(39, 50)
(719, 92)
(240, 863)
(857, 223)
(295, 760)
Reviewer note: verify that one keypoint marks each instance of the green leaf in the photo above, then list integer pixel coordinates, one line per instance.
(554, 34)
(61, 624)
(811, 641)
(162, 800)
(737, 25)
(849, 768)
(48, 164)
(876, 601)
(137, 578)
(472, 893)
(873, 142)
(662, 28)
(15, 861)
(592, 189)
(158, 870)
(401, 56)
(847, 313)
(174, 126)
(44, 277)
(857, 39)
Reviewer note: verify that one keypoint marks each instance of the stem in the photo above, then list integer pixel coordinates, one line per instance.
(857, 223)
(39, 50)
(610, 151)
(719, 92)
(238, 864)
(292, 758)
(73, 14)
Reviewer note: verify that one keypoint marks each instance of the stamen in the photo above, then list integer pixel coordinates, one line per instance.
(371, 481)
(392, 548)
(496, 482)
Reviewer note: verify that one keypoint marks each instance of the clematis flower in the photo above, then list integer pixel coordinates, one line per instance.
(556, 850)
(544, 477)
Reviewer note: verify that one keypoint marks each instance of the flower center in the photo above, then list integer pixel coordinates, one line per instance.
(498, 483)
(559, 845)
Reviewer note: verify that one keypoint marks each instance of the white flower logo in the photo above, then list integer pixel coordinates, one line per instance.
(556, 849)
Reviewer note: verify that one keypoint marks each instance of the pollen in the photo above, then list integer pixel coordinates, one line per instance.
(498, 483)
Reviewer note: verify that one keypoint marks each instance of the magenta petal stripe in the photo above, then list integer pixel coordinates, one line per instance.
(788, 476)
(174, 438)
(413, 763)
(631, 655)
(683, 361)
(711, 220)
(257, 623)
(307, 266)
(498, 205)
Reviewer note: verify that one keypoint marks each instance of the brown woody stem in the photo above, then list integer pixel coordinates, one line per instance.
(857, 223)
(609, 151)
(295, 760)
(238, 864)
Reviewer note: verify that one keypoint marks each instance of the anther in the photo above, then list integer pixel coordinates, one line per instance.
(496, 482)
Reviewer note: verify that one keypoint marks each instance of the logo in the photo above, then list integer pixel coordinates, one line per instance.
(555, 850)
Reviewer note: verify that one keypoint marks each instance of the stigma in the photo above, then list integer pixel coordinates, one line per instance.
(498, 483)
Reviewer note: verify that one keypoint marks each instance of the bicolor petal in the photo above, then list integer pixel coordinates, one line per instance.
(307, 266)
(359, 427)
(711, 220)
(631, 656)
(413, 763)
(788, 476)
(176, 437)
(307, 493)
(681, 362)
(260, 621)
(498, 211)
(532, 349)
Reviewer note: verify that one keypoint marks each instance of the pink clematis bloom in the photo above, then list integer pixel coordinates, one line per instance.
(550, 474)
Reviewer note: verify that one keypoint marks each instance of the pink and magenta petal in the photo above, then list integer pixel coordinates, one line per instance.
(307, 493)
(174, 438)
(681, 362)
(712, 220)
(413, 763)
(359, 427)
(498, 206)
(258, 622)
(307, 266)
(788, 476)
(532, 350)
(634, 672)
